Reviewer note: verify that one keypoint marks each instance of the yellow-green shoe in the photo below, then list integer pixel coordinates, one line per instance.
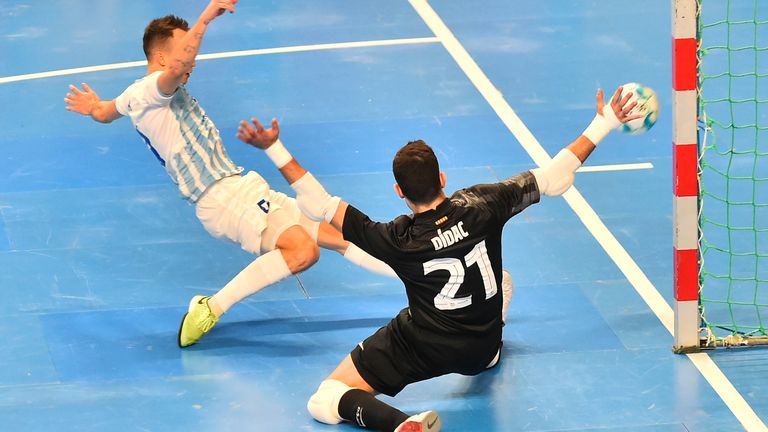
(198, 321)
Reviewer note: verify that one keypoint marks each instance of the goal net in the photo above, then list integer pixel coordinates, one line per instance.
(732, 128)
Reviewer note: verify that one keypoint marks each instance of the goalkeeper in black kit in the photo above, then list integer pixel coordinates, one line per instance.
(448, 255)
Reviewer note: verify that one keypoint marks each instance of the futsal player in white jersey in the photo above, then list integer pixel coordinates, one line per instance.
(230, 205)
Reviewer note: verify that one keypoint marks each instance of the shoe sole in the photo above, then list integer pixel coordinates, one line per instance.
(430, 423)
(178, 337)
(192, 304)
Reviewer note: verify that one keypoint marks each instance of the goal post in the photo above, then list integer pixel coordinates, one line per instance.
(720, 163)
(685, 174)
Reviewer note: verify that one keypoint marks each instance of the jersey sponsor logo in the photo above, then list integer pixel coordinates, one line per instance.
(450, 236)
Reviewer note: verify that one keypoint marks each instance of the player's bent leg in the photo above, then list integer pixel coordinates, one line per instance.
(299, 250)
(324, 404)
(347, 373)
(507, 291)
(328, 237)
(299, 253)
(357, 404)
(334, 397)
(289, 204)
(265, 270)
(272, 266)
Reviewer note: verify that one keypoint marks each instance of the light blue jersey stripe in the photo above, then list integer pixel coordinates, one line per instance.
(203, 159)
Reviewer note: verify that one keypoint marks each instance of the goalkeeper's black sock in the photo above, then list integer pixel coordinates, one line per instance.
(363, 409)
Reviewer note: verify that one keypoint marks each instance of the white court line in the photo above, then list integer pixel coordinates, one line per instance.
(591, 220)
(617, 167)
(244, 53)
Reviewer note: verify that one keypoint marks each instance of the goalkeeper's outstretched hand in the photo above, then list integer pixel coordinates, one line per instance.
(619, 105)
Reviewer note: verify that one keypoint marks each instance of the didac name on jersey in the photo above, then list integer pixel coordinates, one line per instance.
(449, 237)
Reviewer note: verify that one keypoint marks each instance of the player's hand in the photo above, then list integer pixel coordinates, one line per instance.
(81, 102)
(620, 105)
(258, 136)
(216, 8)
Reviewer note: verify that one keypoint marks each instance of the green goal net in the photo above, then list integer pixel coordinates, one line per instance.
(733, 171)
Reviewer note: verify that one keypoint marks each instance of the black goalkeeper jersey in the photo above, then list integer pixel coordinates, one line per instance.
(449, 258)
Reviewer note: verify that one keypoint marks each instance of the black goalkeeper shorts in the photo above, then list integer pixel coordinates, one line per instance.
(402, 353)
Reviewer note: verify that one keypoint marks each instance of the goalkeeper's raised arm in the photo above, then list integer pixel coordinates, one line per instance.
(556, 177)
(553, 179)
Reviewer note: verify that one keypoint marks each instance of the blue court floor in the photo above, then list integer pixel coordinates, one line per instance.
(99, 255)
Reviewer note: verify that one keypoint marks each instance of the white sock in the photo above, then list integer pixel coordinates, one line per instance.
(263, 271)
(361, 258)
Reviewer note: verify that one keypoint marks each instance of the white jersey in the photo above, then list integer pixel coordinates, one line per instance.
(177, 131)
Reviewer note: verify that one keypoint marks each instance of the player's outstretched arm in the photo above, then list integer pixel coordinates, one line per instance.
(311, 196)
(183, 57)
(608, 118)
(88, 103)
(557, 176)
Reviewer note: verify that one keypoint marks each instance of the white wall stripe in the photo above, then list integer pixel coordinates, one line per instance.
(591, 220)
(212, 56)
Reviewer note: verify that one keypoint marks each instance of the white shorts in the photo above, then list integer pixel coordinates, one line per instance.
(244, 210)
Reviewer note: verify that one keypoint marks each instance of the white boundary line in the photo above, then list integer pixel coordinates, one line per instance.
(617, 167)
(588, 216)
(212, 56)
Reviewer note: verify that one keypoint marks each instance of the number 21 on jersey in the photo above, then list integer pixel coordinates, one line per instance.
(446, 299)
